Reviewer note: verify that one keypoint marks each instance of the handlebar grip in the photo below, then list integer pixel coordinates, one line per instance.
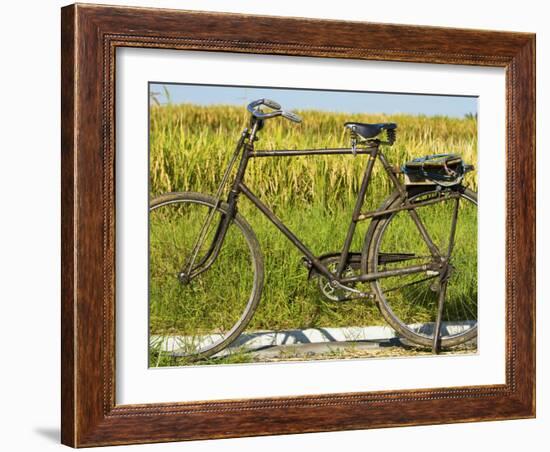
(271, 104)
(277, 111)
(292, 116)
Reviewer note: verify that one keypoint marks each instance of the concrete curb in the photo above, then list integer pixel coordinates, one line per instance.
(261, 340)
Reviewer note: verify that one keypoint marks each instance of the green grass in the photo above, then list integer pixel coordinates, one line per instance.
(189, 149)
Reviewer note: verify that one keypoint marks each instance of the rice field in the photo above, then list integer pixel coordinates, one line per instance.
(191, 145)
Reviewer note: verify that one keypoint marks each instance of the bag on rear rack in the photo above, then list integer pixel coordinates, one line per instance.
(440, 169)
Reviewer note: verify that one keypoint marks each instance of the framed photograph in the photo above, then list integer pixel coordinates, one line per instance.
(281, 225)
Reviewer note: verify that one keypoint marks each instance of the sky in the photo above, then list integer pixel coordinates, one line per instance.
(303, 99)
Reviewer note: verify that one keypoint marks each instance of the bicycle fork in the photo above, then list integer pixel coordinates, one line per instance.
(189, 269)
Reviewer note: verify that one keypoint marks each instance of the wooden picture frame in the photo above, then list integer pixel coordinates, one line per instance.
(90, 36)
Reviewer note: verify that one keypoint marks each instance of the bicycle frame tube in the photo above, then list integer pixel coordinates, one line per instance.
(372, 149)
(243, 147)
(407, 206)
(373, 152)
(414, 205)
(315, 262)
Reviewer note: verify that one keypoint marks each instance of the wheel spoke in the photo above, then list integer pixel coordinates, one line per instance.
(418, 306)
(410, 284)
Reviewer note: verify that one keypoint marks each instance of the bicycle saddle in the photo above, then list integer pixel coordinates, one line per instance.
(369, 130)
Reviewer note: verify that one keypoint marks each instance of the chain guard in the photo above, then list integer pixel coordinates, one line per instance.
(335, 293)
(338, 293)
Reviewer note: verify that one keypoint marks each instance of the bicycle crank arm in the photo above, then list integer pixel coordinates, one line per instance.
(359, 294)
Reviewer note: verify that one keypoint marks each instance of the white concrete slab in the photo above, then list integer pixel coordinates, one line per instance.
(256, 340)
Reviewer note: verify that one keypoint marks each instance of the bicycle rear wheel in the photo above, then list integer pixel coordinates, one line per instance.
(409, 303)
(198, 318)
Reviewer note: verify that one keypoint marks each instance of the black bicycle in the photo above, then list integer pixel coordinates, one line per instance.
(206, 259)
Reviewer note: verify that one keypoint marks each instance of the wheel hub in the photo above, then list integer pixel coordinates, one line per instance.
(184, 278)
(445, 271)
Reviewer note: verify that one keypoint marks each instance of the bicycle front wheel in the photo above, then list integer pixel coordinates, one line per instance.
(409, 302)
(200, 317)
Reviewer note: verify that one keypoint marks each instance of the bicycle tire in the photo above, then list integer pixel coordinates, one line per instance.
(238, 226)
(403, 323)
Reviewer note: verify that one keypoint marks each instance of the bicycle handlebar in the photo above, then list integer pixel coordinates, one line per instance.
(277, 110)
